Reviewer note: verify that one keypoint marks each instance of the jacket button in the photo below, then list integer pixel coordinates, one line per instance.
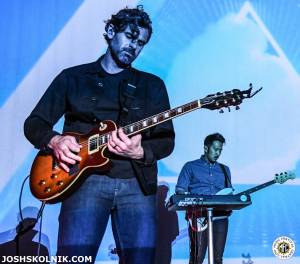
(100, 84)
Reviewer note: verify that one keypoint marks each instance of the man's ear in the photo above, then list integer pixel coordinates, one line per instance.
(205, 149)
(110, 32)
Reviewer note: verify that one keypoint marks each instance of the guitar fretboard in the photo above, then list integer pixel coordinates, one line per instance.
(257, 188)
(154, 120)
(160, 118)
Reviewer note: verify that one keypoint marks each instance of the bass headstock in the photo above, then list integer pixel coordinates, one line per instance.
(282, 177)
(228, 98)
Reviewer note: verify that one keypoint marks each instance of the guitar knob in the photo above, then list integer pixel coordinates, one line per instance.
(53, 176)
(243, 198)
(48, 189)
(42, 182)
(60, 183)
(221, 111)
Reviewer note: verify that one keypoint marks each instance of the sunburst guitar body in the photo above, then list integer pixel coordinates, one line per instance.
(50, 183)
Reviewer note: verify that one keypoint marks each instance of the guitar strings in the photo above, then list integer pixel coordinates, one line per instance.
(139, 124)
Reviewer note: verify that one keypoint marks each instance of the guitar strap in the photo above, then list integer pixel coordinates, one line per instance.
(220, 214)
(127, 90)
(227, 179)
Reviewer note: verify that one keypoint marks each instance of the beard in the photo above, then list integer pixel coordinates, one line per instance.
(123, 57)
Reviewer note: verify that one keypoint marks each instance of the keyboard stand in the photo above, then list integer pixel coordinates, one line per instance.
(210, 236)
(178, 202)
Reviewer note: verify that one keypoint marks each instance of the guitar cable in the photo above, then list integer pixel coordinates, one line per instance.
(195, 233)
(199, 236)
(20, 228)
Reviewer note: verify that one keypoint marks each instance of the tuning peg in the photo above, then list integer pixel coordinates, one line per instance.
(221, 111)
(237, 107)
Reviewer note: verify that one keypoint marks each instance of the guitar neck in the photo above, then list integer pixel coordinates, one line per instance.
(154, 120)
(257, 188)
(211, 101)
(151, 121)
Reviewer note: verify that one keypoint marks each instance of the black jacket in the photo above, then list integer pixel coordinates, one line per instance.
(75, 93)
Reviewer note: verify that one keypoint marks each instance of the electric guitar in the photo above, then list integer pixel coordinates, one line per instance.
(200, 224)
(50, 183)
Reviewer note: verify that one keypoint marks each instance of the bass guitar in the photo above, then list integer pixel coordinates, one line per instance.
(199, 224)
(50, 183)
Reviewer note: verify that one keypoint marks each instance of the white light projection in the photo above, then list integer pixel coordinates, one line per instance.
(263, 136)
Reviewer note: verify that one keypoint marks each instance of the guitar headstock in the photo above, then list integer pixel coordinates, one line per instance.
(226, 99)
(282, 177)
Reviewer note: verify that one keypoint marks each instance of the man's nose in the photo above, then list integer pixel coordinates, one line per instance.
(133, 44)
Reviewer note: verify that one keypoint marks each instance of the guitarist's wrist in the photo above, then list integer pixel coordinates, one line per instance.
(53, 141)
(148, 157)
(140, 154)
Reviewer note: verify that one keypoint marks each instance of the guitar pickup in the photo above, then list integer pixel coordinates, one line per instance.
(93, 144)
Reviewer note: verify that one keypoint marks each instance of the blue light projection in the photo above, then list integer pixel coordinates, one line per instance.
(198, 48)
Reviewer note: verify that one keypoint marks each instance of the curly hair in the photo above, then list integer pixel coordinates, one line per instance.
(135, 17)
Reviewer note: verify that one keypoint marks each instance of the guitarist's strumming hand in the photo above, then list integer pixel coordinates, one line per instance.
(120, 144)
(64, 148)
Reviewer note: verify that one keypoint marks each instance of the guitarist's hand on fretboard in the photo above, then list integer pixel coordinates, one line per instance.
(120, 144)
(64, 149)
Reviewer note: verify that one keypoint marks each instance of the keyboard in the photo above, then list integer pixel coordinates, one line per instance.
(181, 202)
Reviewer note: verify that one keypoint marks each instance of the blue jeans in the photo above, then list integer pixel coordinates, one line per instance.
(85, 214)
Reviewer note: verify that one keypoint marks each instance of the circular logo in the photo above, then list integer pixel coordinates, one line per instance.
(283, 247)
